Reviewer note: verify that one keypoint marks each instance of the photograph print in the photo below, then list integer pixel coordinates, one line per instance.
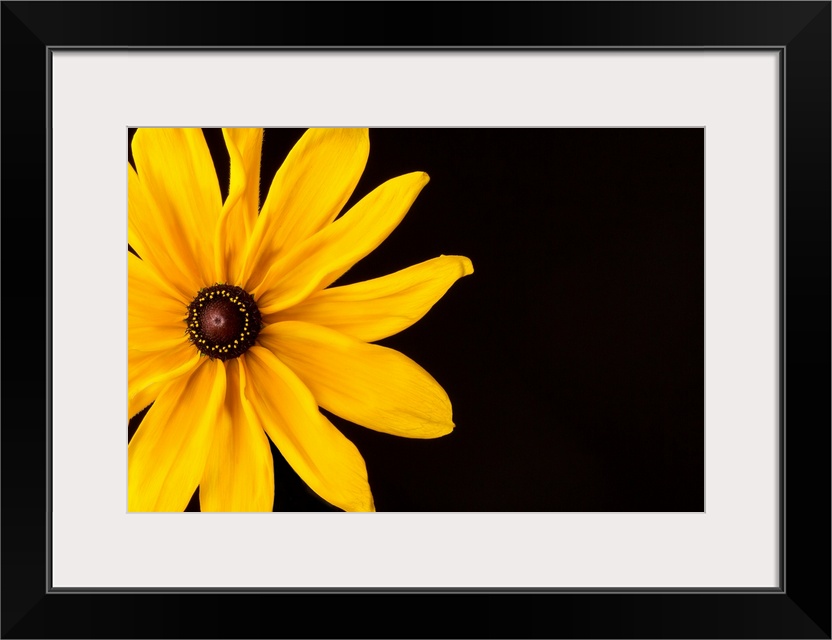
(416, 319)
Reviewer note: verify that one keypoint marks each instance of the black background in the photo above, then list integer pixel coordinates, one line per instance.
(574, 355)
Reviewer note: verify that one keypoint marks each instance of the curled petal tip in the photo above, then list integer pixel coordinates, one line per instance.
(421, 176)
(464, 263)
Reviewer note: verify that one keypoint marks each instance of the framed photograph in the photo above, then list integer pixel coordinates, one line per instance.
(540, 299)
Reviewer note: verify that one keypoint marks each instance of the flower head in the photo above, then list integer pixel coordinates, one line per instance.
(236, 335)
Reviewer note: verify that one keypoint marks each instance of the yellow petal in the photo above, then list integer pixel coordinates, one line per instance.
(149, 338)
(155, 315)
(143, 398)
(149, 371)
(177, 171)
(166, 457)
(371, 385)
(321, 259)
(157, 243)
(239, 212)
(324, 459)
(308, 191)
(379, 308)
(239, 474)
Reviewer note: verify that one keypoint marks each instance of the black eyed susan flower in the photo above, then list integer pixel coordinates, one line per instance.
(235, 335)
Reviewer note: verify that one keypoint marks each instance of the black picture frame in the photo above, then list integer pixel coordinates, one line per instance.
(800, 607)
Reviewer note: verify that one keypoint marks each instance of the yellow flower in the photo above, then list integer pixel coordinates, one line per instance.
(235, 333)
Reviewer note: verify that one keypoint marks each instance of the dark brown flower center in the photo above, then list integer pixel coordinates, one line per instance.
(223, 321)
